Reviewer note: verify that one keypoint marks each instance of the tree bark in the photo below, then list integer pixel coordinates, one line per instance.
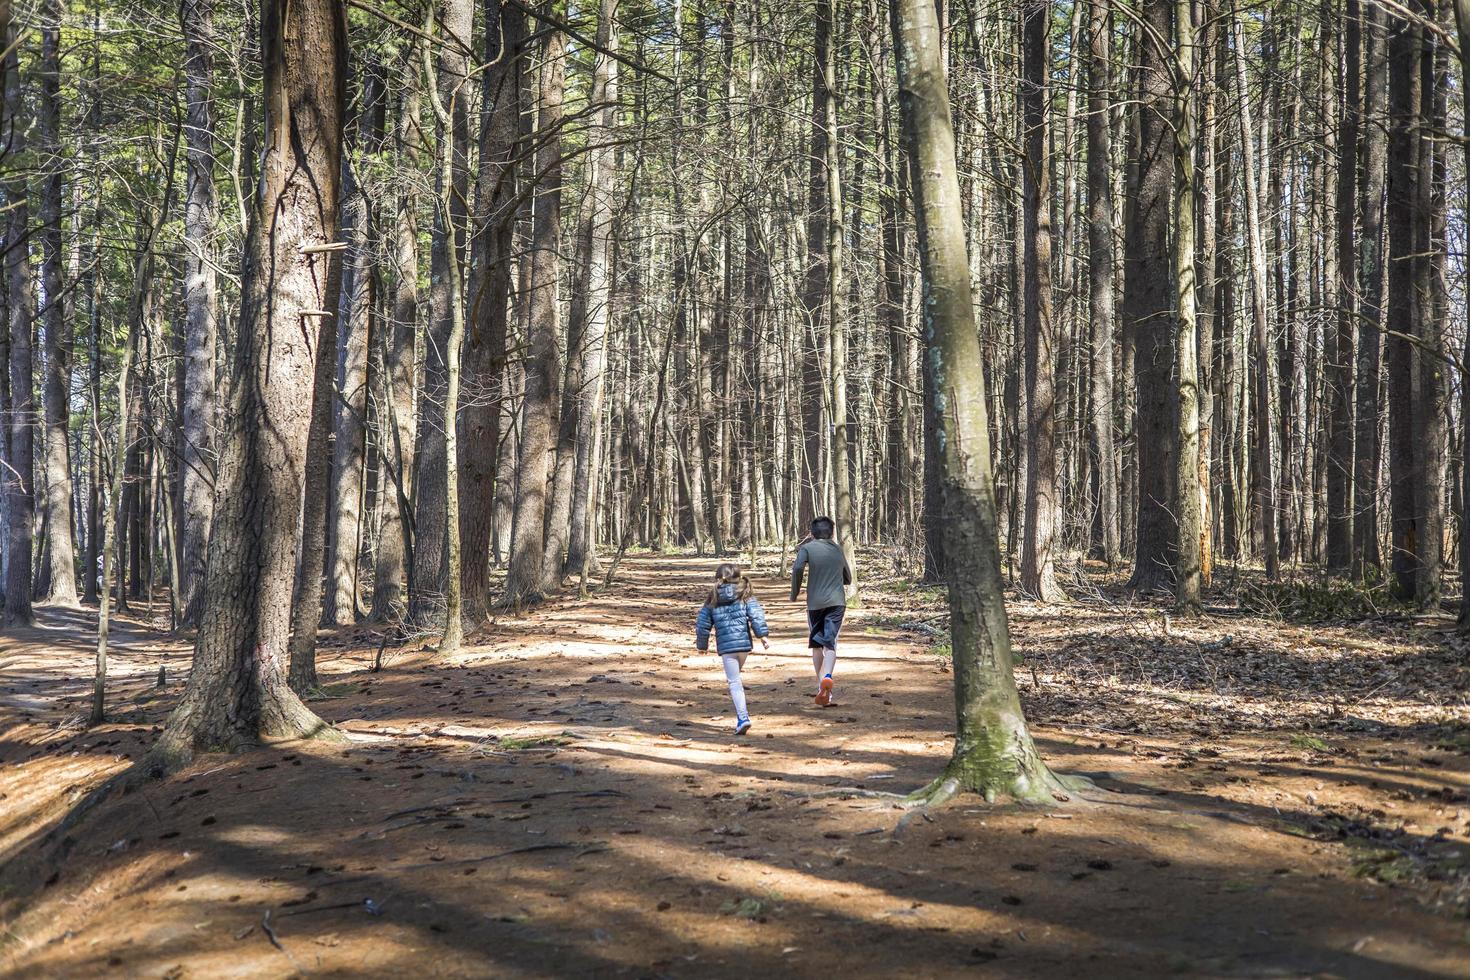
(60, 552)
(354, 310)
(1148, 305)
(1367, 448)
(1038, 562)
(395, 535)
(238, 694)
(596, 290)
(456, 22)
(526, 580)
(1187, 570)
(1256, 248)
(201, 213)
(488, 326)
(993, 751)
(1340, 340)
(1100, 269)
(1405, 309)
(18, 479)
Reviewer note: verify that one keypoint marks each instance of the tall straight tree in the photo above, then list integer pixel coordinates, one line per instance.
(1340, 339)
(1256, 250)
(1149, 297)
(1043, 504)
(1367, 447)
(844, 510)
(456, 28)
(201, 212)
(1406, 307)
(60, 575)
(814, 286)
(396, 351)
(993, 751)
(18, 480)
(488, 325)
(1100, 261)
(354, 310)
(1188, 573)
(526, 579)
(1462, 23)
(237, 694)
(596, 290)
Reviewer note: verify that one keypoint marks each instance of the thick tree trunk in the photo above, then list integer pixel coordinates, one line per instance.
(456, 23)
(18, 479)
(238, 693)
(1043, 511)
(526, 580)
(488, 325)
(60, 553)
(201, 212)
(1148, 305)
(1100, 270)
(993, 752)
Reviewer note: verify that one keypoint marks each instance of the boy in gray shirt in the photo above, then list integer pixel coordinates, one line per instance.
(827, 574)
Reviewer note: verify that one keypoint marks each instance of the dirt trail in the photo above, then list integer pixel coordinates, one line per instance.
(565, 798)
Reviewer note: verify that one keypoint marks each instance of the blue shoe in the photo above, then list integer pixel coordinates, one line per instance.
(742, 725)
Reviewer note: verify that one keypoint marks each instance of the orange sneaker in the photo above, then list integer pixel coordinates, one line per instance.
(824, 692)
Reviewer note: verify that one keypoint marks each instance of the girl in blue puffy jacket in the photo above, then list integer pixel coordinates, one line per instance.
(732, 614)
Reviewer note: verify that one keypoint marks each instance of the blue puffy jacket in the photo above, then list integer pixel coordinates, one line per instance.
(731, 620)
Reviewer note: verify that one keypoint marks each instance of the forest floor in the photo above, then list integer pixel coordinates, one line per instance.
(565, 798)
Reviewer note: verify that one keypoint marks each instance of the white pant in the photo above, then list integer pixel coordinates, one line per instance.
(733, 662)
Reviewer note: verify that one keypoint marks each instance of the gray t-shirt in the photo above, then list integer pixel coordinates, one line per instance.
(827, 573)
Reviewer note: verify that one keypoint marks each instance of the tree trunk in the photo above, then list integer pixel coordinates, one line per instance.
(237, 693)
(993, 751)
(1405, 309)
(1256, 248)
(354, 310)
(1339, 353)
(60, 573)
(1148, 305)
(814, 288)
(1100, 269)
(1187, 570)
(837, 319)
(1367, 448)
(1038, 562)
(488, 325)
(526, 580)
(395, 535)
(1462, 22)
(201, 212)
(596, 291)
(456, 21)
(18, 479)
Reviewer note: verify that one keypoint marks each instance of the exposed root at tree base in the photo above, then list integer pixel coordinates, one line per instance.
(1025, 786)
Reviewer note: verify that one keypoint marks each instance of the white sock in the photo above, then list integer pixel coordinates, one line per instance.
(737, 689)
(817, 662)
(829, 661)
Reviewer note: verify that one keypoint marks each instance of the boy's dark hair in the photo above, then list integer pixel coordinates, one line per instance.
(822, 528)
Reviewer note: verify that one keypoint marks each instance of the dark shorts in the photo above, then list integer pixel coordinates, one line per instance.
(823, 626)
